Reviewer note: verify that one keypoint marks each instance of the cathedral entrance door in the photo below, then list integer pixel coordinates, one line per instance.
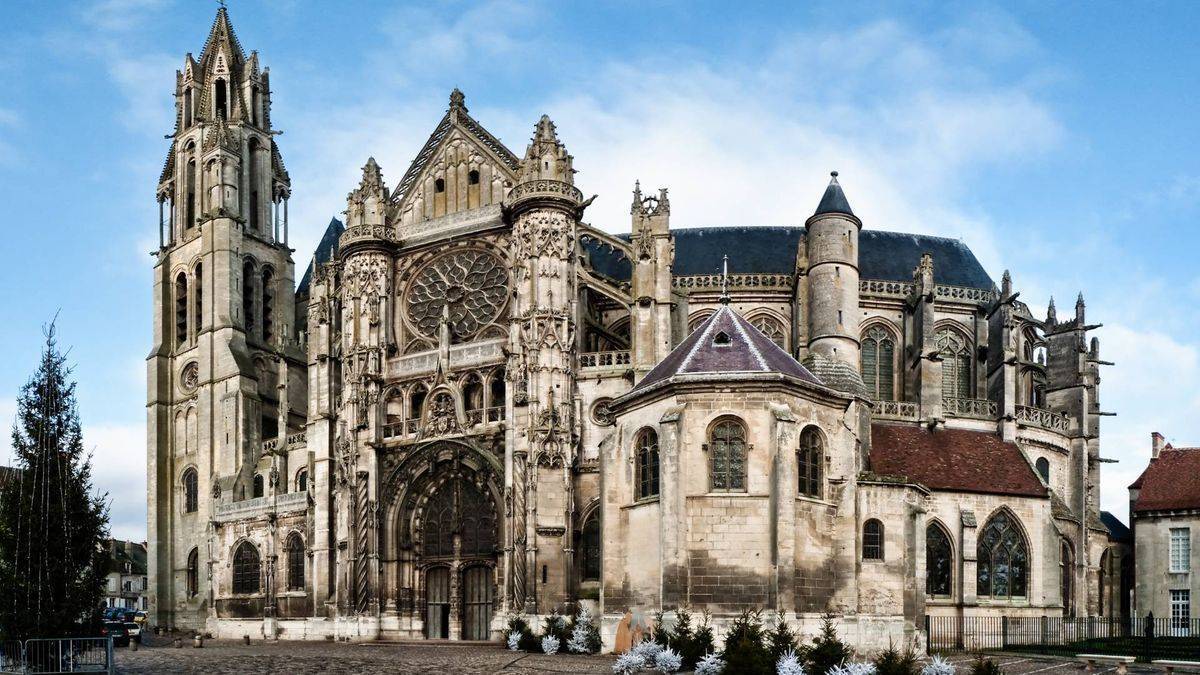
(437, 603)
(477, 603)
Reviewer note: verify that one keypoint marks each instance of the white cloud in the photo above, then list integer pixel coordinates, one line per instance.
(119, 468)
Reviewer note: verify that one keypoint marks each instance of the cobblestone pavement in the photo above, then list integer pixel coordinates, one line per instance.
(219, 657)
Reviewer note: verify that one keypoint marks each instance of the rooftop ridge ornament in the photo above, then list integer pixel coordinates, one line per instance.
(725, 280)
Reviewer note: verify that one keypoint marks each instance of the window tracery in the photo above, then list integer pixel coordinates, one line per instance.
(470, 286)
(956, 364)
(772, 328)
(939, 562)
(878, 363)
(191, 491)
(646, 448)
(810, 459)
(1003, 559)
(246, 569)
(295, 562)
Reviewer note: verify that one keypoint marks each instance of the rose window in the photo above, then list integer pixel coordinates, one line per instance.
(470, 287)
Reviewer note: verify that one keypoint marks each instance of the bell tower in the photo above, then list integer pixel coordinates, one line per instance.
(225, 361)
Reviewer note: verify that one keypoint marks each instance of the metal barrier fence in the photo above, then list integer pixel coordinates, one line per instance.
(1146, 638)
(65, 655)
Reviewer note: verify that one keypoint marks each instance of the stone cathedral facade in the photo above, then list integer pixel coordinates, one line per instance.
(476, 403)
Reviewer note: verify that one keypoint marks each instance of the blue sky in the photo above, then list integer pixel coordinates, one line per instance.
(1057, 139)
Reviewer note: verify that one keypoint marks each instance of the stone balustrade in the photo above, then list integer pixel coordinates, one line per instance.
(977, 408)
(604, 359)
(261, 506)
(900, 410)
(1046, 419)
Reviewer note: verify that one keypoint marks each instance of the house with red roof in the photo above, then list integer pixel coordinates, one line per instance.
(1164, 511)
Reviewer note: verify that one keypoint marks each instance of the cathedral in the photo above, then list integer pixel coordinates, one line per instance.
(475, 404)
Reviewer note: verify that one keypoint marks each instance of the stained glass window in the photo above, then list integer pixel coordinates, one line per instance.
(1003, 559)
(647, 464)
(810, 458)
(956, 364)
(939, 562)
(246, 570)
(727, 444)
(878, 364)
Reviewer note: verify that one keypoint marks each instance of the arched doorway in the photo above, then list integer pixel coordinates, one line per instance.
(477, 602)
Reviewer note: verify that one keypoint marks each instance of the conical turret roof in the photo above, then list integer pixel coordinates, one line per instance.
(834, 200)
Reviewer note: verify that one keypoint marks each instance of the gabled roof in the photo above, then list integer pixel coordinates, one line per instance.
(122, 553)
(1117, 531)
(456, 117)
(834, 200)
(326, 249)
(726, 344)
(1171, 482)
(953, 460)
(887, 256)
(222, 33)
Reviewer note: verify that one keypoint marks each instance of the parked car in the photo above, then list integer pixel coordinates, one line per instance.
(140, 618)
(117, 631)
(135, 630)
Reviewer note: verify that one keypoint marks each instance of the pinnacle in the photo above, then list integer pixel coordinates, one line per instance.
(834, 199)
(458, 100)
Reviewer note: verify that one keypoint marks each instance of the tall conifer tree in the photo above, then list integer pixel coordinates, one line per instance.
(53, 528)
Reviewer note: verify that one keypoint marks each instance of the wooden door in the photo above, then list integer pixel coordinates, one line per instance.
(437, 603)
(477, 603)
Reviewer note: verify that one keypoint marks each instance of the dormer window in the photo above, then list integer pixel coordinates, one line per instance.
(721, 339)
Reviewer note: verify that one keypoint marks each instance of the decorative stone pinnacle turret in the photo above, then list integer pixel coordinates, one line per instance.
(1079, 307)
(458, 100)
(1051, 313)
(1006, 285)
(637, 197)
(545, 175)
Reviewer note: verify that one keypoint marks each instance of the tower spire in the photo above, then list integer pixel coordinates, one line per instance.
(725, 280)
(834, 200)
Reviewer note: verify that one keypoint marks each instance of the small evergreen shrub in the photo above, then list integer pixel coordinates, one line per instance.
(780, 639)
(938, 666)
(648, 650)
(745, 652)
(585, 636)
(852, 668)
(550, 644)
(667, 661)
(514, 641)
(789, 664)
(827, 650)
(982, 666)
(528, 642)
(892, 661)
(629, 663)
(711, 664)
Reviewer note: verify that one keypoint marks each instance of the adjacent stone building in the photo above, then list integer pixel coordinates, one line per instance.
(1164, 510)
(477, 404)
(126, 582)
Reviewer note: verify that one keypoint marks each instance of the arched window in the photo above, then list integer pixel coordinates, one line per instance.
(258, 485)
(1067, 574)
(221, 101)
(439, 185)
(1105, 575)
(252, 179)
(248, 278)
(472, 393)
(246, 569)
(198, 291)
(697, 319)
(727, 445)
(878, 363)
(478, 521)
(473, 177)
(255, 105)
(1003, 559)
(771, 327)
(268, 304)
(809, 460)
(191, 491)
(187, 107)
(646, 449)
(189, 208)
(193, 573)
(589, 546)
(295, 562)
(872, 543)
(438, 531)
(181, 310)
(1043, 468)
(302, 480)
(497, 394)
(956, 364)
(939, 562)
(416, 401)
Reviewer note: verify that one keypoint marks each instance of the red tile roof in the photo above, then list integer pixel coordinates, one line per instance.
(955, 460)
(1171, 482)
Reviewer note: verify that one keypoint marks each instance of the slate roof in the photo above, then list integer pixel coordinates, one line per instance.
(953, 460)
(122, 552)
(326, 249)
(747, 350)
(887, 256)
(1117, 531)
(834, 200)
(1171, 482)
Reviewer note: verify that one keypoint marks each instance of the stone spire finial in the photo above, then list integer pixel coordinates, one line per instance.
(458, 100)
(664, 204)
(637, 197)
(1051, 313)
(1079, 306)
(725, 280)
(546, 158)
(1006, 284)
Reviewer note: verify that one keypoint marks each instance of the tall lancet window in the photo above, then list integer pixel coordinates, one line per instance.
(253, 221)
(956, 364)
(268, 305)
(248, 279)
(181, 310)
(199, 293)
(221, 100)
(189, 208)
(878, 363)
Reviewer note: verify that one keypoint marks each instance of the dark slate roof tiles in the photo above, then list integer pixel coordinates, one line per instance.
(726, 344)
(834, 200)
(326, 249)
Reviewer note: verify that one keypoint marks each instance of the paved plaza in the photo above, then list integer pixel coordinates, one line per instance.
(295, 658)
